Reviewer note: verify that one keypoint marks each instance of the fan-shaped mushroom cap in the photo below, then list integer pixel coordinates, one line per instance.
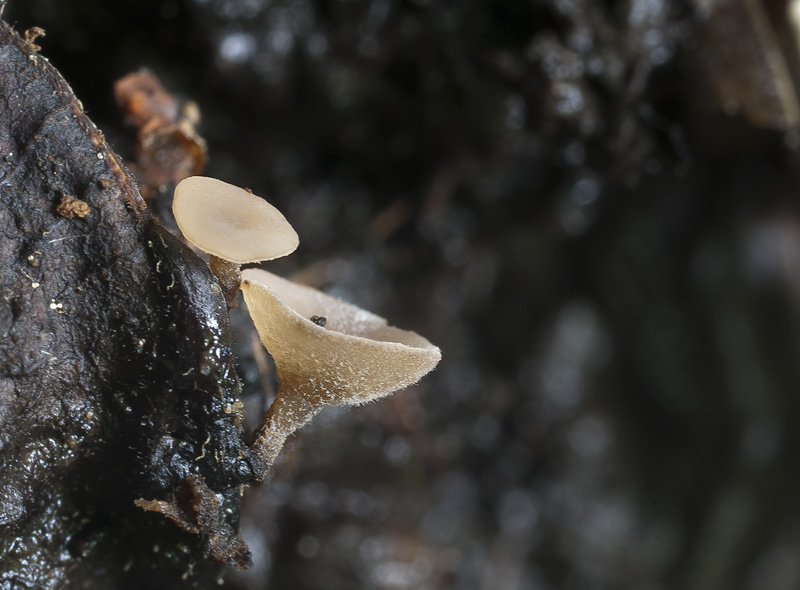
(356, 357)
(231, 223)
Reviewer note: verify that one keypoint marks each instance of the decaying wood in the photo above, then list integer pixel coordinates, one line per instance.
(167, 147)
(116, 374)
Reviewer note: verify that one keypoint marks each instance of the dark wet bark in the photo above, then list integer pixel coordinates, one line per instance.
(116, 374)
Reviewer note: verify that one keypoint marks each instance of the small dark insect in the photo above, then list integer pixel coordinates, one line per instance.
(319, 320)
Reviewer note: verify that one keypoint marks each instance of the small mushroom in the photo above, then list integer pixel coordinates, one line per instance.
(354, 359)
(232, 225)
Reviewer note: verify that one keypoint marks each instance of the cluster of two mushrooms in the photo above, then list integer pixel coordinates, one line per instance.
(326, 352)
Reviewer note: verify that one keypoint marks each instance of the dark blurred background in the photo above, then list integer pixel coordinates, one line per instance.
(590, 206)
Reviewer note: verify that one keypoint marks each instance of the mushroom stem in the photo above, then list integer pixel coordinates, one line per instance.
(288, 413)
(229, 275)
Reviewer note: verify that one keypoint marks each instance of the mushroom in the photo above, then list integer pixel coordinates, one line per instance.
(232, 225)
(327, 352)
(353, 359)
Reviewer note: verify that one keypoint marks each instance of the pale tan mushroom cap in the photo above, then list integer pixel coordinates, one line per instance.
(230, 223)
(355, 358)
